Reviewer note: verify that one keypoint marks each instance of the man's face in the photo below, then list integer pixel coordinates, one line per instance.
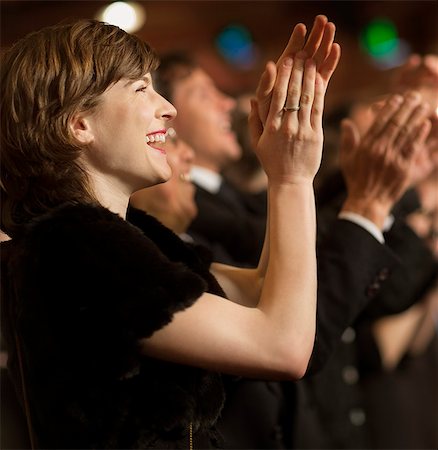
(204, 120)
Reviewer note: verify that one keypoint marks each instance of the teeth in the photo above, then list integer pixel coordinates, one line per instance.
(159, 137)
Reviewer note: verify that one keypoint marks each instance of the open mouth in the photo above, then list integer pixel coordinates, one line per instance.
(155, 139)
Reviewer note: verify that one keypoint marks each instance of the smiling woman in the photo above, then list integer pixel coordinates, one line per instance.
(117, 331)
(122, 139)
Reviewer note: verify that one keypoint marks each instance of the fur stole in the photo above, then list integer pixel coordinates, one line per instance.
(81, 287)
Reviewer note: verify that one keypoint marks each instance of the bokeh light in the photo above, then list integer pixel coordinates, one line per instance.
(129, 16)
(381, 42)
(236, 45)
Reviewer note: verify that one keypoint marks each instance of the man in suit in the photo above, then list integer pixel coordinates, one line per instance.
(204, 121)
(353, 262)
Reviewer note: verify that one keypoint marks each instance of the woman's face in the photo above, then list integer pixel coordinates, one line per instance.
(127, 130)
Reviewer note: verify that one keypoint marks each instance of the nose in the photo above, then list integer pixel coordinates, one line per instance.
(227, 102)
(165, 110)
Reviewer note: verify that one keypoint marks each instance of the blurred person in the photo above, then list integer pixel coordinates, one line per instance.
(246, 173)
(372, 368)
(353, 264)
(105, 322)
(205, 122)
(172, 202)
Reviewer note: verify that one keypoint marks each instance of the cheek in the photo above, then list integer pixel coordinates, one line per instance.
(191, 112)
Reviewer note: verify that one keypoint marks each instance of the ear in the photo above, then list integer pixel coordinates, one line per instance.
(80, 127)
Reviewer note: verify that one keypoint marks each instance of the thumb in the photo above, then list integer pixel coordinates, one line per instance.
(254, 124)
(350, 137)
(424, 131)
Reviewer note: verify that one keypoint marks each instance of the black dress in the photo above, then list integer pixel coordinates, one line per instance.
(81, 286)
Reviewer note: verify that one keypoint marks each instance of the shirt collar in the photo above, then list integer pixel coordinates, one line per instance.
(206, 178)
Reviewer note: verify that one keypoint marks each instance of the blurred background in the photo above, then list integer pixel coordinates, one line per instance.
(232, 40)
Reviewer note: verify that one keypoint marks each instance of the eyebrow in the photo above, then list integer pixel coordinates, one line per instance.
(146, 79)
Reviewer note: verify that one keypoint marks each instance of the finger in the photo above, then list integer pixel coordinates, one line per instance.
(307, 93)
(279, 93)
(350, 137)
(413, 61)
(379, 103)
(295, 86)
(431, 63)
(380, 121)
(397, 124)
(406, 131)
(326, 44)
(318, 103)
(264, 90)
(315, 36)
(255, 126)
(411, 156)
(296, 42)
(331, 62)
(424, 131)
(415, 144)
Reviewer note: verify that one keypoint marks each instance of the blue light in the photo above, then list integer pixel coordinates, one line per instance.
(235, 44)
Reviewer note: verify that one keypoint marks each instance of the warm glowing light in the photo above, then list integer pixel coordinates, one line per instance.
(129, 16)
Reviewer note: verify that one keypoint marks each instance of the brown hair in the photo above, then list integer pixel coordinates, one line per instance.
(174, 66)
(45, 79)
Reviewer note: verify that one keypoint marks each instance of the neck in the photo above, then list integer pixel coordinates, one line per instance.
(110, 195)
(210, 165)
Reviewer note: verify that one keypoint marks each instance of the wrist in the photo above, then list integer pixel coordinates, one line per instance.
(290, 182)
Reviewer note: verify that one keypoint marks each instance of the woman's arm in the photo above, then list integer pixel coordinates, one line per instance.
(275, 338)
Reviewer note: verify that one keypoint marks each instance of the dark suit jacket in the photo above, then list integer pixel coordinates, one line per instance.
(228, 227)
(350, 262)
(332, 410)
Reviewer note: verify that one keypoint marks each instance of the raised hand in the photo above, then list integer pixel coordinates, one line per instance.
(319, 46)
(380, 166)
(419, 73)
(289, 145)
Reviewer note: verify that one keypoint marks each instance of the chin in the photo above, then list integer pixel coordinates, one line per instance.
(160, 180)
(143, 184)
(162, 174)
(234, 151)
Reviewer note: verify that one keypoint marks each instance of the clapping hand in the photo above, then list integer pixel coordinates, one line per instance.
(379, 166)
(318, 46)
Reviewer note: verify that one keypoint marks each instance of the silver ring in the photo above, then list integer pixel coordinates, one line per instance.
(291, 108)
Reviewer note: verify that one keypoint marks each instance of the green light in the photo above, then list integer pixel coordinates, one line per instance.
(380, 38)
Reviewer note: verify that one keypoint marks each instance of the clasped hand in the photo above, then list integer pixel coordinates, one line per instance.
(379, 166)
